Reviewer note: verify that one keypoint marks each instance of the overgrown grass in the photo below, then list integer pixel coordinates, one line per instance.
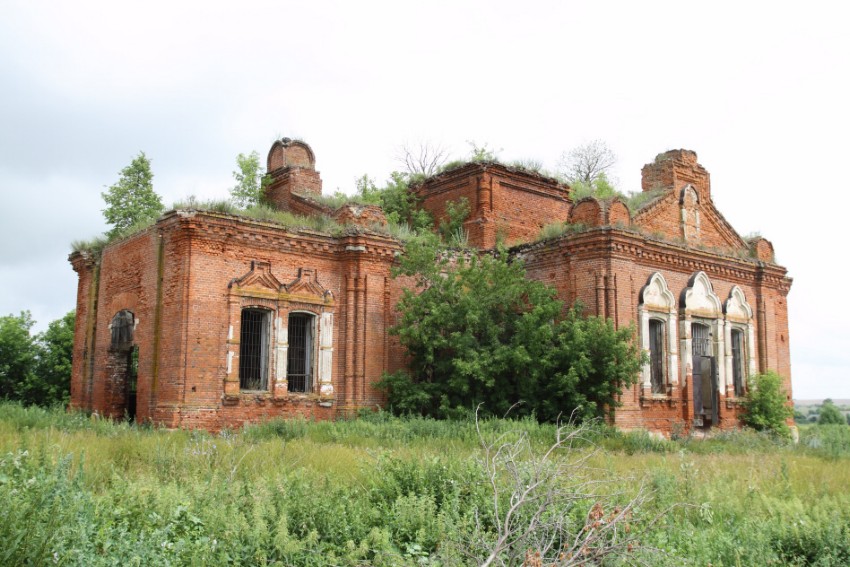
(637, 200)
(556, 229)
(339, 199)
(382, 490)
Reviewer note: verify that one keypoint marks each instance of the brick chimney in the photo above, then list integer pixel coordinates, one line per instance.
(673, 170)
(292, 167)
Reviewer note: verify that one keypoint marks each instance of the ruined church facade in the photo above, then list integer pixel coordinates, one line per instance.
(210, 320)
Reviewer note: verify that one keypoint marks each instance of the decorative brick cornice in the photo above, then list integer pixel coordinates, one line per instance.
(216, 226)
(608, 242)
(82, 261)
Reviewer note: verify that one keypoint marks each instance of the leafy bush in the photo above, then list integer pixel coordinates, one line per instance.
(398, 203)
(765, 404)
(479, 332)
(36, 369)
(830, 414)
(251, 181)
(456, 214)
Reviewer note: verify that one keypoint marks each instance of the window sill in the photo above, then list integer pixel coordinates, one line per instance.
(658, 399)
(262, 397)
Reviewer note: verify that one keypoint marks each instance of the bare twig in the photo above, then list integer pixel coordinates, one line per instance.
(536, 496)
(423, 158)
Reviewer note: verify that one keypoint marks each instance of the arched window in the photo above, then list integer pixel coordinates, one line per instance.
(254, 349)
(738, 362)
(657, 319)
(656, 356)
(122, 329)
(299, 362)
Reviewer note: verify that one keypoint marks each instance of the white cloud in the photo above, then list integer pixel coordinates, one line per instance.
(758, 93)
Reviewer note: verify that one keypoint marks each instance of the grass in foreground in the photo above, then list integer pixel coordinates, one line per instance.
(77, 490)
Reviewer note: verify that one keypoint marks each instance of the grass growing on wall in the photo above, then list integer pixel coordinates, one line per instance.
(80, 490)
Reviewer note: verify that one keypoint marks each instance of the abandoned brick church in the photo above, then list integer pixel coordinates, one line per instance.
(208, 319)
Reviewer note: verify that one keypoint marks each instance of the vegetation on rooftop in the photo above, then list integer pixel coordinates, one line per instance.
(131, 200)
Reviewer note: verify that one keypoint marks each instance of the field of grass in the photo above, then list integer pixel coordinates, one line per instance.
(78, 490)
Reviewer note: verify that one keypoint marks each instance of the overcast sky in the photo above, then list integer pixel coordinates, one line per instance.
(758, 90)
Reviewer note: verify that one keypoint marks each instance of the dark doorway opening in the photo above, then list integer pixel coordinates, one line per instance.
(706, 398)
(123, 367)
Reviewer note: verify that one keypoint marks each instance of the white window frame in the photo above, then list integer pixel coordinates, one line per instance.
(656, 301)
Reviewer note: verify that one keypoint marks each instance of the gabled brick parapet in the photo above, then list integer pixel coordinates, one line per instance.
(591, 211)
(673, 170)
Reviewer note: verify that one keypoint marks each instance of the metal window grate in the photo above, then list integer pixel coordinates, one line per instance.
(737, 362)
(701, 340)
(656, 355)
(299, 372)
(253, 350)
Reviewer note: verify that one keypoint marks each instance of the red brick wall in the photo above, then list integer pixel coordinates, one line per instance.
(675, 169)
(185, 384)
(290, 153)
(504, 203)
(183, 280)
(664, 218)
(81, 383)
(361, 215)
(587, 212)
(606, 269)
(292, 180)
(128, 281)
(618, 213)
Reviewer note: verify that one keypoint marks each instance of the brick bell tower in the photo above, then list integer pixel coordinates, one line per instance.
(292, 167)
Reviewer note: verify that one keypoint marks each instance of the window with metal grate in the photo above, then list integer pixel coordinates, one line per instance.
(299, 365)
(254, 350)
(701, 340)
(738, 362)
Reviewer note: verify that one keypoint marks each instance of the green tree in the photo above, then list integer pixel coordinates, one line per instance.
(451, 228)
(251, 181)
(600, 188)
(830, 414)
(478, 331)
(586, 169)
(51, 383)
(397, 201)
(765, 404)
(132, 199)
(17, 354)
(587, 162)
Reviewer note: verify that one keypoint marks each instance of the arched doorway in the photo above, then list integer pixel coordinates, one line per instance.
(706, 399)
(123, 366)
